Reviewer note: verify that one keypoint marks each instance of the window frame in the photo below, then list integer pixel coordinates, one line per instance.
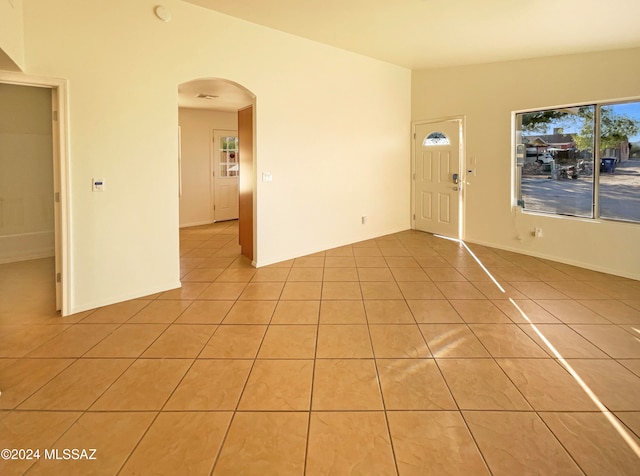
(519, 148)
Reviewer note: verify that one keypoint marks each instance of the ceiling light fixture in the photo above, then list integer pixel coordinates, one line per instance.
(207, 96)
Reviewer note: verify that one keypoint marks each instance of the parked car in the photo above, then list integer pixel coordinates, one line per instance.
(545, 158)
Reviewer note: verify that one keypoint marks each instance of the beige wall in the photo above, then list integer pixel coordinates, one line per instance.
(331, 126)
(11, 35)
(197, 127)
(26, 173)
(487, 95)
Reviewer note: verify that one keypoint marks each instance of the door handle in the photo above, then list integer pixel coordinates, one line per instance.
(455, 178)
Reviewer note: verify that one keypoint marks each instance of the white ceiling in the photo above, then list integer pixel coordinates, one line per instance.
(420, 34)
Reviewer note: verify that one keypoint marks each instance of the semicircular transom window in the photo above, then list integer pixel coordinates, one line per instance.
(436, 138)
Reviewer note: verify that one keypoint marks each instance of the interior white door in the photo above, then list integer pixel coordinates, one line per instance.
(226, 172)
(437, 179)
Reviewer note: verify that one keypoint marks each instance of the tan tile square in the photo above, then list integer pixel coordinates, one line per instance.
(537, 290)
(160, 312)
(341, 384)
(78, 386)
(394, 251)
(518, 443)
(444, 274)
(146, 385)
(74, 341)
(593, 442)
(216, 262)
(401, 262)
(476, 275)
(613, 340)
(583, 291)
(349, 443)
(128, 340)
(180, 340)
(31, 430)
(420, 290)
(303, 291)
(202, 275)
(409, 274)
(340, 251)
(211, 385)
(565, 340)
(615, 311)
(157, 454)
(491, 291)
(112, 435)
(480, 384)
(264, 443)
(506, 340)
(413, 384)
(271, 274)
(631, 420)
(343, 341)
(433, 262)
(571, 312)
(340, 274)
(452, 340)
(546, 385)
(187, 292)
(116, 313)
(305, 274)
(339, 262)
(370, 262)
(223, 291)
(631, 364)
(479, 311)
(250, 312)
(262, 291)
(296, 312)
(234, 342)
(337, 290)
(376, 290)
(289, 342)
(342, 312)
(278, 385)
(205, 312)
(23, 377)
(388, 312)
(375, 274)
(459, 290)
(372, 251)
(398, 341)
(523, 311)
(616, 386)
(437, 440)
(433, 311)
(236, 275)
(309, 262)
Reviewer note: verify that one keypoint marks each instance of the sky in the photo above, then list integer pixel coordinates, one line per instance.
(632, 110)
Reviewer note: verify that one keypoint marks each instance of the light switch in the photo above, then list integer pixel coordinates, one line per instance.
(97, 185)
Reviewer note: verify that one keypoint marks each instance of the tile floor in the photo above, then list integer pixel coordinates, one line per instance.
(396, 355)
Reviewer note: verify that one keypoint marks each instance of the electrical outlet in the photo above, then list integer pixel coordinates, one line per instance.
(364, 219)
(538, 233)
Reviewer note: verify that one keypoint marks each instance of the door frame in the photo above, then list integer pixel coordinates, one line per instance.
(461, 120)
(61, 167)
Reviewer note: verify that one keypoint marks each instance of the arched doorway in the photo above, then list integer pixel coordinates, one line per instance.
(213, 182)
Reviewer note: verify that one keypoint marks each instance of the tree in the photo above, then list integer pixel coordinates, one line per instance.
(614, 128)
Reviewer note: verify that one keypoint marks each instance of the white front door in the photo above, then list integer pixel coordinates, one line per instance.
(226, 171)
(437, 178)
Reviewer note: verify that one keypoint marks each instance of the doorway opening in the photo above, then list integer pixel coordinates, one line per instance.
(33, 192)
(214, 184)
(437, 177)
